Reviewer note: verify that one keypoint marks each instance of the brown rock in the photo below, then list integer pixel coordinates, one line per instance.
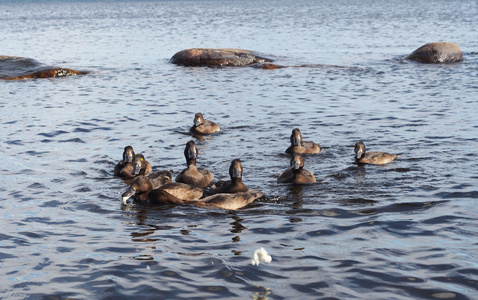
(217, 57)
(48, 73)
(268, 66)
(440, 52)
(17, 68)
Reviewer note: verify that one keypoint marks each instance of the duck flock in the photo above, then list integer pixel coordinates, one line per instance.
(196, 186)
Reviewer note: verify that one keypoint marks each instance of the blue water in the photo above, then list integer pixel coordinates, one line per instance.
(400, 231)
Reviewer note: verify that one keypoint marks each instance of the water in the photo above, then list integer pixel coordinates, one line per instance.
(401, 231)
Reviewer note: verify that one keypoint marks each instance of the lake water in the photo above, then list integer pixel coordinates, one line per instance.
(400, 231)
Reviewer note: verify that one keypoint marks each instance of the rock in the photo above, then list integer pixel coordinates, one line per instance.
(268, 66)
(217, 57)
(17, 68)
(440, 52)
(48, 73)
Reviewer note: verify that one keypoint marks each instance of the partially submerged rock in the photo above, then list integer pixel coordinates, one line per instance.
(440, 52)
(217, 57)
(268, 66)
(17, 68)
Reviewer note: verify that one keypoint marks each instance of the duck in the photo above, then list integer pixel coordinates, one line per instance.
(147, 190)
(296, 174)
(297, 145)
(199, 177)
(202, 126)
(125, 166)
(235, 185)
(373, 157)
(233, 194)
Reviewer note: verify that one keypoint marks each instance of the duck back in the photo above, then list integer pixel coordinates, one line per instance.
(195, 176)
(183, 191)
(377, 158)
(230, 201)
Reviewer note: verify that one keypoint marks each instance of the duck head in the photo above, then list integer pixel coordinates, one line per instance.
(138, 163)
(198, 119)
(128, 154)
(297, 162)
(359, 150)
(235, 170)
(296, 137)
(191, 152)
(140, 187)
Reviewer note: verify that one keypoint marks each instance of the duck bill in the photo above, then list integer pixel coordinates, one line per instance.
(296, 141)
(197, 122)
(136, 169)
(296, 165)
(128, 157)
(236, 173)
(192, 154)
(358, 154)
(128, 194)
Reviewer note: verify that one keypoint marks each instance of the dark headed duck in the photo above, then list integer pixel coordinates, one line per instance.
(147, 190)
(125, 166)
(231, 194)
(199, 177)
(202, 126)
(234, 185)
(296, 174)
(297, 145)
(373, 157)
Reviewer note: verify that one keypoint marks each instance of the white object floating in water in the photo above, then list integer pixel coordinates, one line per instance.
(261, 255)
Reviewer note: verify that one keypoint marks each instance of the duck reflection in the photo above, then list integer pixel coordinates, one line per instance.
(262, 295)
(295, 193)
(237, 227)
(201, 137)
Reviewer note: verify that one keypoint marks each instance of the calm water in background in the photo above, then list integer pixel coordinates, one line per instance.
(406, 230)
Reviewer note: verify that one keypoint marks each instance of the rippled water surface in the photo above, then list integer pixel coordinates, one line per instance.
(400, 231)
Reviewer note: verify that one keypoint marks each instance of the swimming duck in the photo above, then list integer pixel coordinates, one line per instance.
(231, 194)
(202, 126)
(125, 166)
(199, 177)
(296, 174)
(147, 190)
(297, 145)
(374, 157)
(234, 185)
